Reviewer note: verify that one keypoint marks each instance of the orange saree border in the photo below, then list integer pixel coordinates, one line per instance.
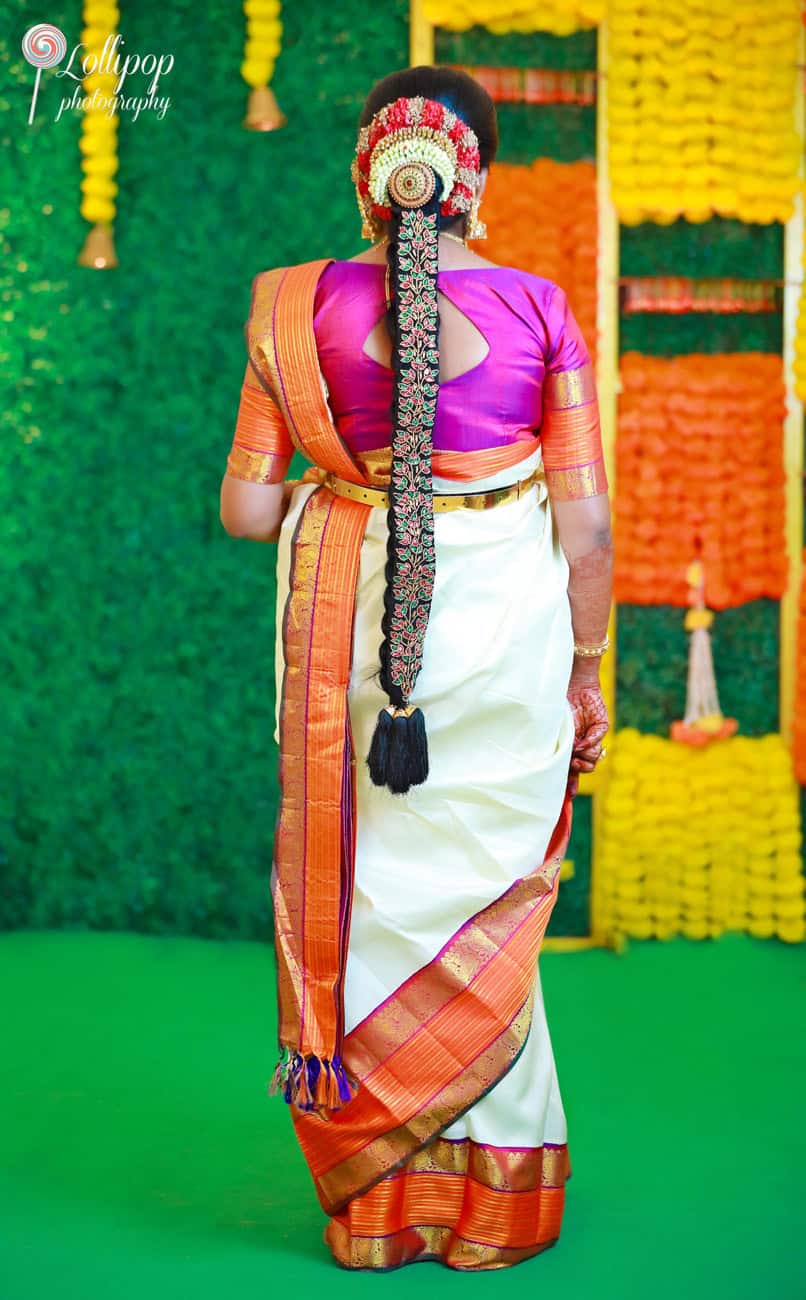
(314, 839)
(440, 1042)
(467, 1203)
(282, 347)
(571, 435)
(310, 894)
(457, 465)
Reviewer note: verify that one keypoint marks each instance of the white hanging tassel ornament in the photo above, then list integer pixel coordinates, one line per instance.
(704, 720)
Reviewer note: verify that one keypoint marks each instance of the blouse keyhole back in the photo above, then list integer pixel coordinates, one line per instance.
(462, 346)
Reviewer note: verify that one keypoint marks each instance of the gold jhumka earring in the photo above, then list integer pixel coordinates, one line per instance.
(475, 229)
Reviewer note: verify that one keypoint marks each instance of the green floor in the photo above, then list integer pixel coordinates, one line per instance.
(141, 1156)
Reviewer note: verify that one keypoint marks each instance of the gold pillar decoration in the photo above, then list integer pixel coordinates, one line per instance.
(98, 140)
(264, 32)
(795, 376)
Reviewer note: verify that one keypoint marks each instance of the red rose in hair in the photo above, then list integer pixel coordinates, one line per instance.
(363, 160)
(457, 131)
(363, 187)
(433, 114)
(460, 189)
(376, 133)
(397, 115)
(467, 156)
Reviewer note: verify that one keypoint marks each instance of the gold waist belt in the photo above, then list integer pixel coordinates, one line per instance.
(376, 496)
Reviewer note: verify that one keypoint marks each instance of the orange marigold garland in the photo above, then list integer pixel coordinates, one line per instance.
(699, 463)
(542, 218)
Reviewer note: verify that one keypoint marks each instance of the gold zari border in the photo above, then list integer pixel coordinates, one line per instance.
(576, 483)
(256, 466)
(422, 1243)
(569, 388)
(503, 1169)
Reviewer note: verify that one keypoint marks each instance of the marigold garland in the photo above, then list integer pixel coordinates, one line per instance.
(701, 101)
(799, 722)
(264, 33)
(699, 466)
(561, 17)
(699, 841)
(98, 140)
(542, 218)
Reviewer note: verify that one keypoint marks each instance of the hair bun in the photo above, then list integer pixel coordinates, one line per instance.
(412, 184)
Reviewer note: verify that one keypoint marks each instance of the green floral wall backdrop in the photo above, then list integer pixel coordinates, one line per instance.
(138, 771)
(137, 786)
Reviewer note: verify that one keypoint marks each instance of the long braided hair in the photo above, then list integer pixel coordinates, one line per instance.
(403, 179)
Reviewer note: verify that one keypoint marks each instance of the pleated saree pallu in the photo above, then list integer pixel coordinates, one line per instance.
(416, 1056)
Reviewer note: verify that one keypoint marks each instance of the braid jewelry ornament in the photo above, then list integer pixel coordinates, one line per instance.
(415, 163)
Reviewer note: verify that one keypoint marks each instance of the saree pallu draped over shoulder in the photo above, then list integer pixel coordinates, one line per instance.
(408, 928)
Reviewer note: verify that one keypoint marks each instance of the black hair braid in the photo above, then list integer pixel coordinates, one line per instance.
(391, 688)
(398, 756)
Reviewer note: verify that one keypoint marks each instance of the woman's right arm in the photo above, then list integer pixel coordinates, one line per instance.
(253, 510)
(577, 483)
(584, 531)
(254, 496)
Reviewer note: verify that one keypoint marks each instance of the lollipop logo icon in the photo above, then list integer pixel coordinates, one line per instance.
(43, 46)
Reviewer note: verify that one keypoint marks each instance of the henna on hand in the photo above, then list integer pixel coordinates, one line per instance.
(589, 594)
(591, 725)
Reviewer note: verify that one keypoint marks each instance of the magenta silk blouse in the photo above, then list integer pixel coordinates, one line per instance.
(527, 324)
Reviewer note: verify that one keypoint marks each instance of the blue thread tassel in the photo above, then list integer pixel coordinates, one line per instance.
(312, 1083)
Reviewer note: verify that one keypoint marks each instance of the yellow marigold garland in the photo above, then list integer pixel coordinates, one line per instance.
(264, 34)
(701, 100)
(562, 17)
(700, 841)
(799, 720)
(98, 140)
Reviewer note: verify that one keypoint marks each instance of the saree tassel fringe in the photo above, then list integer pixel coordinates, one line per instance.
(398, 755)
(313, 1082)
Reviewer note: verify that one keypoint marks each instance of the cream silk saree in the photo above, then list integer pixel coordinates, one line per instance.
(421, 1079)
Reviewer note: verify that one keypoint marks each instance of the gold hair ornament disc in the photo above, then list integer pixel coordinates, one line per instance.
(412, 184)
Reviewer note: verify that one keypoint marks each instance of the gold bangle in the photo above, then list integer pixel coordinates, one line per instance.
(591, 651)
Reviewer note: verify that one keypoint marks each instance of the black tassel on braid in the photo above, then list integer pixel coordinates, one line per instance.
(398, 755)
